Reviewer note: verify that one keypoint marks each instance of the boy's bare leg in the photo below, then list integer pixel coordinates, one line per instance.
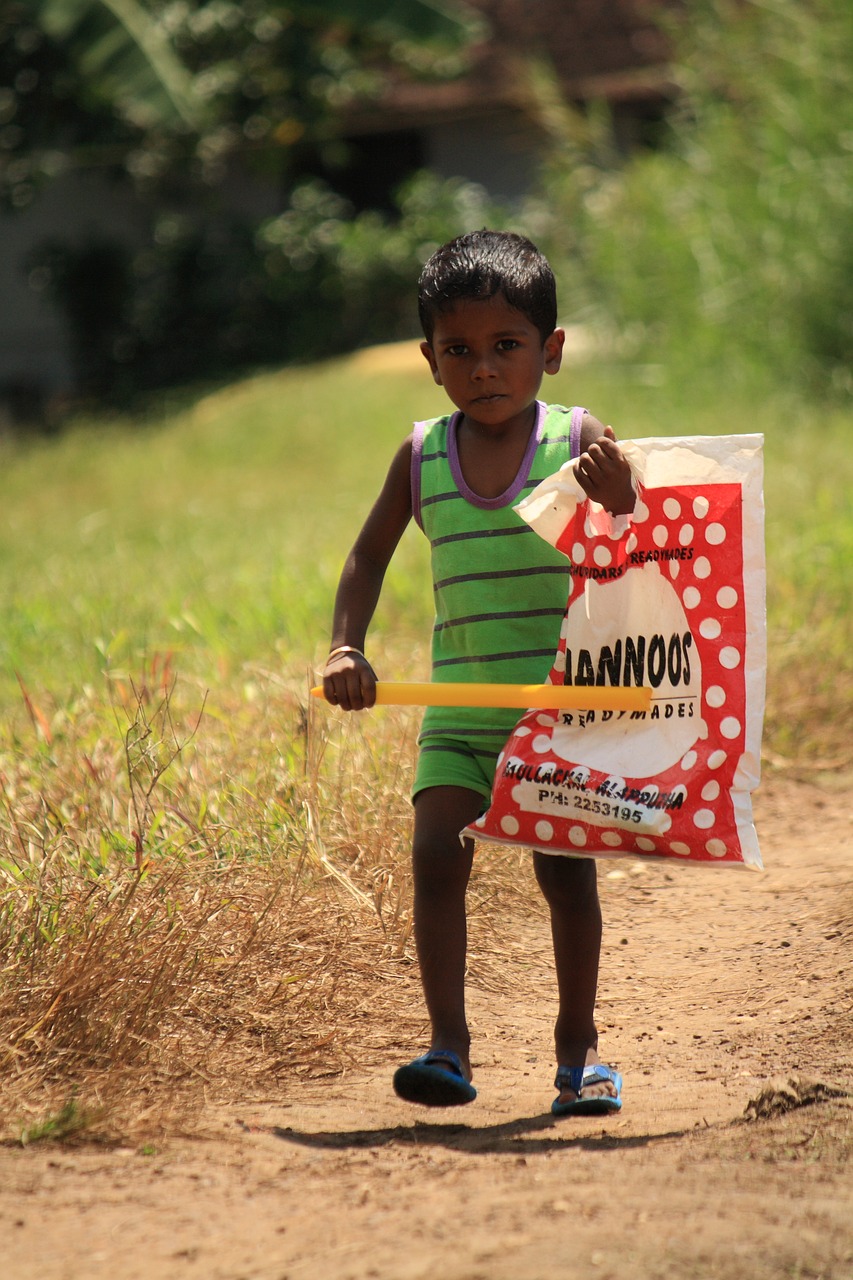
(570, 888)
(442, 868)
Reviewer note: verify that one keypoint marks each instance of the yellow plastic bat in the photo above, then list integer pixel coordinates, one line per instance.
(550, 696)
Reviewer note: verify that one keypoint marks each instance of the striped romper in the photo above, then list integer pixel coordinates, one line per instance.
(500, 592)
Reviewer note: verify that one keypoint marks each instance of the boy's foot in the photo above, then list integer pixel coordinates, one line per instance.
(435, 1080)
(595, 1090)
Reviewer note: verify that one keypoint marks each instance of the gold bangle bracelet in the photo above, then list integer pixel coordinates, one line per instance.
(344, 648)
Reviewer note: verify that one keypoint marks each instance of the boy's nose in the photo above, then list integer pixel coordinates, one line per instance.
(483, 368)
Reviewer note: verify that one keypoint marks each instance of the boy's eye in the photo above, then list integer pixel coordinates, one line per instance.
(507, 344)
(458, 349)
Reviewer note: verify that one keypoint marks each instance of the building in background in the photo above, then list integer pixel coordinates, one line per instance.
(487, 127)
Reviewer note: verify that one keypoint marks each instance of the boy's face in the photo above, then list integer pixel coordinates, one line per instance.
(490, 360)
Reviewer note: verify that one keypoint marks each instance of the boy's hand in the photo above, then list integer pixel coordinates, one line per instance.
(349, 681)
(604, 475)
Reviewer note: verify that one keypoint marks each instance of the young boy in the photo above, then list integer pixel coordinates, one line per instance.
(487, 303)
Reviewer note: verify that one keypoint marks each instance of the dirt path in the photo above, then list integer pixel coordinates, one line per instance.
(714, 984)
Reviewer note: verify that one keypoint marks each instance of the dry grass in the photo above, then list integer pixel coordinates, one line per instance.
(200, 900)
(179, 920)
(204, 900)
(208, 898)
(810, 694)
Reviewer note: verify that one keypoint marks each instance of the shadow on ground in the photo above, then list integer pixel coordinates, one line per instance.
(510, 1138)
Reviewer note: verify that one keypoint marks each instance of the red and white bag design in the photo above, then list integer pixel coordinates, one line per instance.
(671, 597)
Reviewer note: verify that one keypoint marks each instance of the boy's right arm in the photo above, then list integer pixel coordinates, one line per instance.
(349, 680)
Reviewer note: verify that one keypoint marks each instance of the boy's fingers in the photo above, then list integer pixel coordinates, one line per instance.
(347, 697)
(605, 449)
(604, 475)
(591, 469)
(365, 693)
(600, 463)
(350, 685)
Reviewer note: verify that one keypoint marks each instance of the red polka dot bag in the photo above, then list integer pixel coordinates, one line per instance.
(670, 598)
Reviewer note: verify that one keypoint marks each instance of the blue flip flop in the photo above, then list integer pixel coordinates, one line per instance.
(435, 1080)
(579, 1078)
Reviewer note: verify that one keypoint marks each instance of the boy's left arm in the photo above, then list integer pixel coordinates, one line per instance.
(601, 469)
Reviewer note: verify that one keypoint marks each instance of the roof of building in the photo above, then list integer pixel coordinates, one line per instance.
(615, 50)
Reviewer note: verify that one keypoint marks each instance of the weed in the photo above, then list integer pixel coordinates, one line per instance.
(70, 1121)
(151, 746)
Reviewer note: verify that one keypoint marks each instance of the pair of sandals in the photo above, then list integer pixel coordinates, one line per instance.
(437, 1080)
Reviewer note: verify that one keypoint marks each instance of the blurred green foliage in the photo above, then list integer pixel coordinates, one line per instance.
(169, 91)
(213, 294)
(187, 101)
(348, 280)
(730, 248)
(726, 248)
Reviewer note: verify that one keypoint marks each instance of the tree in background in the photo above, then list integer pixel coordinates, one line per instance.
(729, 249)
(172, 89)
(184, 99)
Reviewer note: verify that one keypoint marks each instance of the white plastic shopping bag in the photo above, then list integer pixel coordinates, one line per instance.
(671, 597)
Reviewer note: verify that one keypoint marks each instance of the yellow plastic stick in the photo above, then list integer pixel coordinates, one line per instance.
(551, 696)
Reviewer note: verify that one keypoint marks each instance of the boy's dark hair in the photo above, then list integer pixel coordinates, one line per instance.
(481, 264)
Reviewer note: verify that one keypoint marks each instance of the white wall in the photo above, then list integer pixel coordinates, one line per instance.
(501, 151)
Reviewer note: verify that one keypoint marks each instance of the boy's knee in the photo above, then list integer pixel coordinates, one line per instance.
(567, 881)
(438, 867)
(439, 854)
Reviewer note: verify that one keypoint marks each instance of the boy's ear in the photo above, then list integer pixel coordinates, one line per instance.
(429, 356)
(554, 350)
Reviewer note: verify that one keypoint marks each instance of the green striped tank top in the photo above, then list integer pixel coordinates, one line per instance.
(500, 590)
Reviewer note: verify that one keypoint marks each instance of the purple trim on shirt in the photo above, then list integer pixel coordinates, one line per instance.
(417, 457)
(509, 496)
(575, 425)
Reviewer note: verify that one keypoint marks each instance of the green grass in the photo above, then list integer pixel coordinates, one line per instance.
(215, 533)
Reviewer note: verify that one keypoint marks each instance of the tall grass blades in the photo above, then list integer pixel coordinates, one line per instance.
(216, 921)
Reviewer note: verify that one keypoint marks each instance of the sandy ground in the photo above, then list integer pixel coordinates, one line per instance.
(717, 987)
